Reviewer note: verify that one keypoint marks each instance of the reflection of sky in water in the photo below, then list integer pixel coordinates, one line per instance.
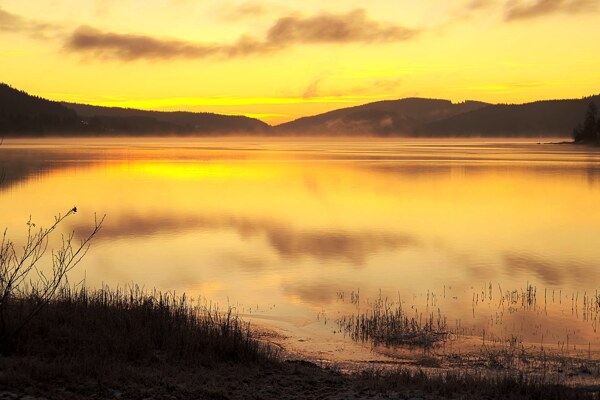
(291, 223)
(353, 247)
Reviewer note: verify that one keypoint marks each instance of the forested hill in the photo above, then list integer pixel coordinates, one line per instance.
(177, 122)
(21, 113)
(24, 115)
(383, 118)
(540, 118)
(416, 117)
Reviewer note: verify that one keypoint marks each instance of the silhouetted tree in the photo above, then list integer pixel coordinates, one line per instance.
(590, 123)
(578, 133)
(588, 131)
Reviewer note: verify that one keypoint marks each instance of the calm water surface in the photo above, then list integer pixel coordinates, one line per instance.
(280, 229)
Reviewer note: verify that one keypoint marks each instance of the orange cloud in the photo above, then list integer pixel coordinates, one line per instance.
(352, 27)
(131, 47)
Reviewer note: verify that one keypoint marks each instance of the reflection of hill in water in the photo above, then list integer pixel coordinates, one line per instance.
(593, 175)
(20, 165)
(590, 172)
(275, 224)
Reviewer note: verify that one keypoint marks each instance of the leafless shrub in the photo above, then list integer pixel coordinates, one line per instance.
(20, 270)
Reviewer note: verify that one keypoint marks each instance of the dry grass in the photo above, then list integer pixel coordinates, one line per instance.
(135, 344)
(471, 384)
(131, 325)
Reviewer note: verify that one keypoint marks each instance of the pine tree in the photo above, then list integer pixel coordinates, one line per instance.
(590, 124)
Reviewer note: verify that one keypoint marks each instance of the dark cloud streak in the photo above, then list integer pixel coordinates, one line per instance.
(131, 47)
(352, 27)
(522, 10)
(331, 28)
(516, 10)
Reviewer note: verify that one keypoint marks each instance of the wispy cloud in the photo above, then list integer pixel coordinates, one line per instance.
(10, 22)
(383, 87)
(237, 12)
(515, 10)
(312, 90)
(480, 4)
(15, 23)
(128, 47)
(519, 9)
(352, 27)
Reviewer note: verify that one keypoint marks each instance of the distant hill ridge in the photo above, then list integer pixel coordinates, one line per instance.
(382, 118)
(415, 117)
(22, 114)
(539, 118)
(168, 121)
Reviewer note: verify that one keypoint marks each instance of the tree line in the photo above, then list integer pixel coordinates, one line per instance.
(589, 130)
(22, 114)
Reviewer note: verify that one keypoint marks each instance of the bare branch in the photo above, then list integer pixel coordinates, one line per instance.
(15, 268)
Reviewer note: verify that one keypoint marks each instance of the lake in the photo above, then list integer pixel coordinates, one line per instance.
(287, 230)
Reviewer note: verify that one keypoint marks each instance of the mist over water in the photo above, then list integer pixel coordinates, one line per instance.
(278, 228)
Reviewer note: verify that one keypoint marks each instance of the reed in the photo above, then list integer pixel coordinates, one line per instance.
(387, 323)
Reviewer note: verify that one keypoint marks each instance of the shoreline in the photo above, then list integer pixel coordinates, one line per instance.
(572, 368)
(573, 143)
(135, 344)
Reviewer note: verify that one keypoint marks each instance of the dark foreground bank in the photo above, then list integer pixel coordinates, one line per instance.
(135, 344)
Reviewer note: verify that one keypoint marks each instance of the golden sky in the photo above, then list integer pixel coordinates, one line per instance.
(278, 60)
